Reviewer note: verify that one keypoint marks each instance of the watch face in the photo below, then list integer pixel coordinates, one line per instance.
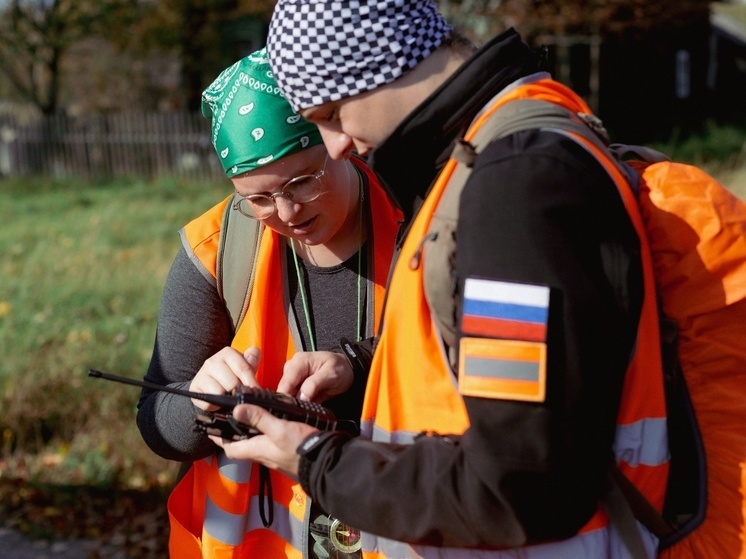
(344, 537)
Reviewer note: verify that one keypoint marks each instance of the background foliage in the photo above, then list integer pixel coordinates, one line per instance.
(90, 55)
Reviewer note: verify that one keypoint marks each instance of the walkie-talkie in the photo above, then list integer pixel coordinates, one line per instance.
(221, 423)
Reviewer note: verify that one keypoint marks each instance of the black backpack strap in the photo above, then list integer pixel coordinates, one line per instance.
(631, 498)
(237, 251)
(623, 514)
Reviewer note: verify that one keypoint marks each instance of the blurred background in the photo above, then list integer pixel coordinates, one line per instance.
(104, 156)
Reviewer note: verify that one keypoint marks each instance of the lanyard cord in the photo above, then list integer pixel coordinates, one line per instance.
(359, 263)
(359, 279)
(303, 296)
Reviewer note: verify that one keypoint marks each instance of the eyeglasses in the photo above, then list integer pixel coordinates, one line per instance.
(300, 190)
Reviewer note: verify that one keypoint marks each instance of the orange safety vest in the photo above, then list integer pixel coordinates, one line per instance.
(396, 408)
(214, 509)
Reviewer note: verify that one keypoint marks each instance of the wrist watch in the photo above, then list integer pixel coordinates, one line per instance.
(308, 450)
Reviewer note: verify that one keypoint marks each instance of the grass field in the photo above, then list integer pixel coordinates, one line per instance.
(719, 149)
(82, 268)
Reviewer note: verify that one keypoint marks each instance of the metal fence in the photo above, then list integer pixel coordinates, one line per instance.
(104, 146)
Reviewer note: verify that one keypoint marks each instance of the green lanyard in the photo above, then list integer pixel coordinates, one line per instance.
(359, 281)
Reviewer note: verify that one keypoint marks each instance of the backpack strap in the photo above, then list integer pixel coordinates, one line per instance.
(515, 116)
(527, 114)
(234, 270)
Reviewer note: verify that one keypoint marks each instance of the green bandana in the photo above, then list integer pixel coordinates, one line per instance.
(252, 123)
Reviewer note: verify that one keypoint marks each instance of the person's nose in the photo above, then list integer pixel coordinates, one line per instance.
(286, 208)
(338, 144)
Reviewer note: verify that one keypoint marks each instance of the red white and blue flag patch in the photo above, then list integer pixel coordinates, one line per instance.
(499, 309)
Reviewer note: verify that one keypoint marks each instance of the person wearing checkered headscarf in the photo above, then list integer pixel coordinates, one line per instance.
(488, 427)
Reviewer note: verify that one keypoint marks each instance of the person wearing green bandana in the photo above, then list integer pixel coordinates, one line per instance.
(327, 236)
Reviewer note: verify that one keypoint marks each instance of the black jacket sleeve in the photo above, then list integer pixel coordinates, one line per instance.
(192, 326)
(540, 210)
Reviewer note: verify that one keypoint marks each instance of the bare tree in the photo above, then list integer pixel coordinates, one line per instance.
(207, 35)
(36, 34)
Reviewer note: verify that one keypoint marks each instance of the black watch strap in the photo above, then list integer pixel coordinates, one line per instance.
(310, 447)
(359, 354)
(308, 450)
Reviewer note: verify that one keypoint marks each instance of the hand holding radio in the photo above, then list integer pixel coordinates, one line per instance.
(223, 372)
(223, 424)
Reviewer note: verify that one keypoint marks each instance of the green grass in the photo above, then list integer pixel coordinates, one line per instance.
(720, 150)
(717, 148)
(82, 267)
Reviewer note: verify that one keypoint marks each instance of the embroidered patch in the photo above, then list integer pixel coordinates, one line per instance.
(500, 309)
(502, 369)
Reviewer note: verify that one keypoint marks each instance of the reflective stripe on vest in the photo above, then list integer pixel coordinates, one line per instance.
(215, 509)
(396, 408)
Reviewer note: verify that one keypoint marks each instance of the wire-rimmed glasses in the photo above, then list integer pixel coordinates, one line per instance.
(300, 190)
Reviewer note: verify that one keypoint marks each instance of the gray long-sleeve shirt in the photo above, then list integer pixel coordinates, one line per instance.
(193, 324)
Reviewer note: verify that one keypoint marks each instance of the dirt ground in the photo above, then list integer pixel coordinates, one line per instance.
(63, 522)
(16, 546)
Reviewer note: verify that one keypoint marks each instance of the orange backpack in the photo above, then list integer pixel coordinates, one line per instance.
(697, 236)
(697, 233)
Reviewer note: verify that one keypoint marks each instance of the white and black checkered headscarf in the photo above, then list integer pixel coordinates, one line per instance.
(323, 51)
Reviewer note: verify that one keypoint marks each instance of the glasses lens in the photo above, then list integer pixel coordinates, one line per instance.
(303, 189)
(257, 207)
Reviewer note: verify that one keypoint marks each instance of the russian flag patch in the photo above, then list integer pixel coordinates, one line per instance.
(502, 369)
(499, 309)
